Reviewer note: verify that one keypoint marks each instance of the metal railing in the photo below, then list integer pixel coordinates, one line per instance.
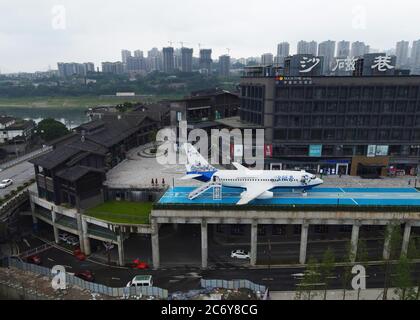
(25, 157)
(125, 292)
(233, 284)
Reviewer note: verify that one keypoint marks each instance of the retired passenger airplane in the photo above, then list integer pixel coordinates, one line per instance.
(258, 184)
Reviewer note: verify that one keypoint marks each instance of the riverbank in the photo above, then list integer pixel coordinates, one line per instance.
(74, 102)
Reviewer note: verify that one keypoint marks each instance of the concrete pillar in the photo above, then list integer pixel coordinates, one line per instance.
(387, 242)
(354, 241)
(204, 244)
(86, 240)
(121, 258)
(303, 243)
(80, 232)
(406, 238)
(155, 245)
(254, 244)
(53, 219)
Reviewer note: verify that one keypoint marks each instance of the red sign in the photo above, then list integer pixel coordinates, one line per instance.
(268, 150)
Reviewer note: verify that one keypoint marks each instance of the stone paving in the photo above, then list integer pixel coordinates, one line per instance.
(138, 171)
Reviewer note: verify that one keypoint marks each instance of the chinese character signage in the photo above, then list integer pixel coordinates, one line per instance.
(293, 80)
(382, 63)
(307, 64)
(345, 64)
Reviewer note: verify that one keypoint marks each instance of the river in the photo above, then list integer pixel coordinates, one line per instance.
(71, 117)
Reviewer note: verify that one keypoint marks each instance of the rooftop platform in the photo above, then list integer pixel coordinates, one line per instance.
(320, 197)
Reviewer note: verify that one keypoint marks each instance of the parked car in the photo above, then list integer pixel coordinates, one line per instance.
(240, 254)
(73, 241)
(34, 260)
(85, 275)
(138, 264)
(63, 237)
(141, 281)
(5, 183)
(79, 255)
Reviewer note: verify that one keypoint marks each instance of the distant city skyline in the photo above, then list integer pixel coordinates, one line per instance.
(35, 35)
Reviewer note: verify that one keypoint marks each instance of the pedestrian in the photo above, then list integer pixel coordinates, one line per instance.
(156, 182)
(163, 181)
(153, 182)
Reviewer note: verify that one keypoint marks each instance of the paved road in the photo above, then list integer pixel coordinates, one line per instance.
(20, 174)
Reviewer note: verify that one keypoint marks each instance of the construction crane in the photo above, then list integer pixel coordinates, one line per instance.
(228, 51)
(200, 45)
(170, 43)
(182, 43)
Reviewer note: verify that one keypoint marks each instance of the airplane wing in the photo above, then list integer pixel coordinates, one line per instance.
(253, 192)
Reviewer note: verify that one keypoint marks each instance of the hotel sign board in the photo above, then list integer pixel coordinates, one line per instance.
(281, 80)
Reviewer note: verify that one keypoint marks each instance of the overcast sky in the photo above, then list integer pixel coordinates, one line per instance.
(33, 34)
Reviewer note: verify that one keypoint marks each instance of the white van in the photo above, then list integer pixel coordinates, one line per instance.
(141, 281)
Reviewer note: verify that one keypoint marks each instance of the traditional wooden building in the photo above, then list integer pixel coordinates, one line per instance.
(73, 173)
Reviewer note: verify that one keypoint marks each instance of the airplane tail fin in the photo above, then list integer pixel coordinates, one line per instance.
(195, 161)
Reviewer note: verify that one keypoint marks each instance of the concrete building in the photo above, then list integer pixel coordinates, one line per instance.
(205, 61)
(74, 69)
(304, 47)
(186, 59)
(138, 54)
(113, 67)
(13, 130)
(402, 53)
(168, 59)
(343, 49)
(415, 57)
(224, 66)
(125, 54)
(366, 123)
(283, 51)
(359, 49)
(136, 65)
(326, 49)
(267, 59)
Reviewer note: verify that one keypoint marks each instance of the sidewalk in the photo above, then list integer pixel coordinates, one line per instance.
(368, 294)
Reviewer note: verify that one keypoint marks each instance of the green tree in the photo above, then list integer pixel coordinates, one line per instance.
(347, 274)
(414, 253)
(309, 282)
(50, 129)
(327, 269)
(403, 283)
(393, 239)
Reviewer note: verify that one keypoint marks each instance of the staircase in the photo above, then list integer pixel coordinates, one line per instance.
(199, 191)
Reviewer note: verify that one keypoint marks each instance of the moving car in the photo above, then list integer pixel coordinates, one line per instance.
(5, 183)
(240, 254)
(34, 259)
(85, 275)
(141, 281)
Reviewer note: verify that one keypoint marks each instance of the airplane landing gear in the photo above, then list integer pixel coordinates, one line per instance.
(304, 193)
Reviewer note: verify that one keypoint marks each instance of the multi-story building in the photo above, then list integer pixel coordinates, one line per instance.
(136, 65)
(168, 59)
(343, 49)
(402, 53)
(415, 57)
(125, 54)
(113, 67)
(327, 50)
(186, 59)
(283, 51)
(224, 65)
(305, 47)
(354, 125)
(205, 61)
(138, 54)
(359, 49)
(71, 69)
(15, 130)
(267, 59)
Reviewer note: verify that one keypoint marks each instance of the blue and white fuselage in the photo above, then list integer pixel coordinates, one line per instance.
(258, 184)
